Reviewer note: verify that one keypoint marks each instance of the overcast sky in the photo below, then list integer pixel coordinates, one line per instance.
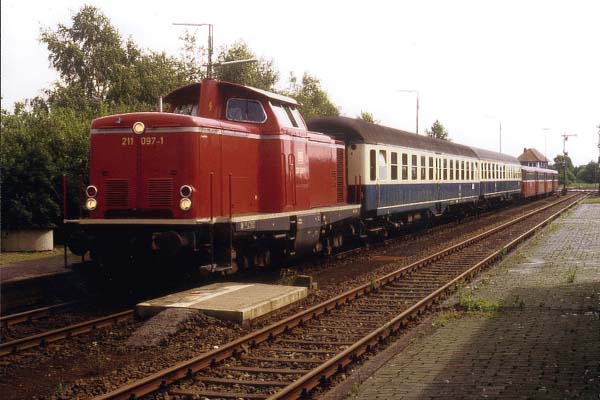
(534, 66)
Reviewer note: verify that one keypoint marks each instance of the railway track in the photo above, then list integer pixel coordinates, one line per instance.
(55, 335)
(292, 357)
(7, 321)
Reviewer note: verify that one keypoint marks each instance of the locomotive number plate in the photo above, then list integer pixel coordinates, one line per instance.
(152, 140)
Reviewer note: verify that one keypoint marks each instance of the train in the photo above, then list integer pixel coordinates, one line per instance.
(231, 177)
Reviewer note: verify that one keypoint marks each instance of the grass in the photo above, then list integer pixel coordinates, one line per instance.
(445, 317)
(592, 200)
(570, 274)
(13, 257)
(469, 303)
(581, 185)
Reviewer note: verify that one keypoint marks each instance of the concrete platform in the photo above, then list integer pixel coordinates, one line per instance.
(230, 301)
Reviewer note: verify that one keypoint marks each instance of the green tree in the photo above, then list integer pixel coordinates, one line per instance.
(437, 131)
(588, 173)
(97, 67)
(368, 117)
(315, 101)
(260, 74)
(558, 166)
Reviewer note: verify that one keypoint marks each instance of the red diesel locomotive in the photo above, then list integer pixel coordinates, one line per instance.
(229, 173)
(231, 177)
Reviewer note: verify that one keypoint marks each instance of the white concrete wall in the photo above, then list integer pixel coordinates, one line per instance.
(28, 240)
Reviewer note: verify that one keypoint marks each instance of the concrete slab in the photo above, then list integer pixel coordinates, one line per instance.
(230, 301)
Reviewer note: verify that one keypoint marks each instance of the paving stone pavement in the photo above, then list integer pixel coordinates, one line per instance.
(543, 342)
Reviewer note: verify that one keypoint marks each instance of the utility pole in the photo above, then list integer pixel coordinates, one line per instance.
(598, 172)
(565, 154)
(417, 93)
(210, 45)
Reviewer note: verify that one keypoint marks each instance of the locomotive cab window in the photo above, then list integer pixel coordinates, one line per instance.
(288, 116)
(186, 109)
(245, 110)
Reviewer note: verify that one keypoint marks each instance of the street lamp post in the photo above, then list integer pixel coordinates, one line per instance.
(417, 92)
(210, 45)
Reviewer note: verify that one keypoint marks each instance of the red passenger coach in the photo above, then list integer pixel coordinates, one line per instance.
(229, 173)
(538, 181)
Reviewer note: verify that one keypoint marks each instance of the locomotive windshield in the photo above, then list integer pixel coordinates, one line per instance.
(186, 109)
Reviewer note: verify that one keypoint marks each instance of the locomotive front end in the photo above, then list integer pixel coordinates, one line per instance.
(143, 187)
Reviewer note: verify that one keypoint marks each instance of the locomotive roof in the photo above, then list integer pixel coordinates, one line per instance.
(194, 88)
(357, 130)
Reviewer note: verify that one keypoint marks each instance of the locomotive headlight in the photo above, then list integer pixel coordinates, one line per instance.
(91, 204)
(91, 191)
(185, 191)
(185, 204)
(138, 128)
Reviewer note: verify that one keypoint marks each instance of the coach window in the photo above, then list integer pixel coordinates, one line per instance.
(394, 162)
(467, 170)
(413, 167)
(372, 165)
(382, 163)
(472, 172)
(462, 170)
(245, 110)
(423, 168)
(430, 168)
(445, 176)
(404, 166)
(457, 170)
(451, 170)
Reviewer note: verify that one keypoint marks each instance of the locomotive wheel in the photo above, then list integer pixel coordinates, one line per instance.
(244, 261)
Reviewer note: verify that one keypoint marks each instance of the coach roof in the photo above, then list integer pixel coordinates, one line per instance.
(488, 155)
(356, 130)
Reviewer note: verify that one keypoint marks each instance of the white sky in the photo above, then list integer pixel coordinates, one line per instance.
(529, 64)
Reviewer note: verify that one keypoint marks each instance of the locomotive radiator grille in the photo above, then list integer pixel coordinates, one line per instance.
(160, 192)
(340, 175)
(117, 193)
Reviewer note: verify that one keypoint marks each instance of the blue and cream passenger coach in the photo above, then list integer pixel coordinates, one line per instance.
(395, 172)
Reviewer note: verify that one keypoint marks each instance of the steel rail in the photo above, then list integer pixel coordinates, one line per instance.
(186, 369)
(309, 381)
(62, 333)
(25, 316)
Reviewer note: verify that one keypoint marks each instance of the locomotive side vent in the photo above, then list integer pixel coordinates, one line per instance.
(117, 193)
(160, 192)
(340, 175)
